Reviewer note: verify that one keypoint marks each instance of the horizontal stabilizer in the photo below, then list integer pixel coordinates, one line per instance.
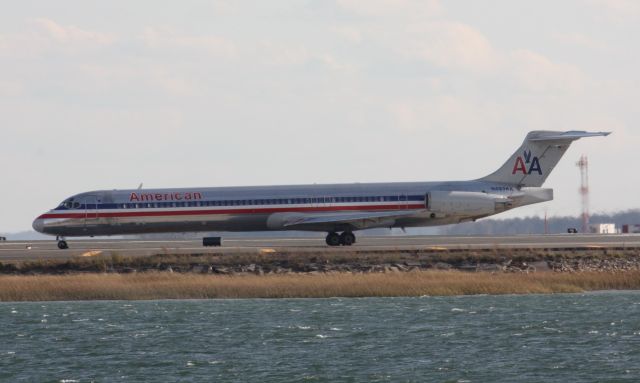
(571, 135)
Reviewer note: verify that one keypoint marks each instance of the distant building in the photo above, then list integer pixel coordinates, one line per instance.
(602, 228)
(631, 228)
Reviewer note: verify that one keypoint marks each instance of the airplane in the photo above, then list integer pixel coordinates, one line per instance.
(338, 209)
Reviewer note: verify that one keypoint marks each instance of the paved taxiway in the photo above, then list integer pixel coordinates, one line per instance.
(25, 250)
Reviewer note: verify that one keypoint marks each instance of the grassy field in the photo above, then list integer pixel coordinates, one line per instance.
(156, 285)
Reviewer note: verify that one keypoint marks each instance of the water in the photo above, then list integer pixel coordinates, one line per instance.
(553, 338)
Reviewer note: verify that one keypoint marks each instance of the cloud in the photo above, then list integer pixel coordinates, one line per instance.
(443, 112)
(45, 35)
(535, 72)
(618, 9)
(167, 38)
(579, 39)
(449, 45)
(387, 8)
(463, 50)
(70, 34)
(349, 33)
(279, 54)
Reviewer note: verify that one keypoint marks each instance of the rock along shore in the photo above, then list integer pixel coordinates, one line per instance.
(496, 261)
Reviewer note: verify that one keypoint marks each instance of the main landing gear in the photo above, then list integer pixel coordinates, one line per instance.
(345, 239)
(62, 244)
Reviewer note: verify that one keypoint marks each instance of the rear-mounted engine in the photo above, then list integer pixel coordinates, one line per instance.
(467, 203)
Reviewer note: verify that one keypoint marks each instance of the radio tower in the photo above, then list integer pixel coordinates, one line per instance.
(583, 164)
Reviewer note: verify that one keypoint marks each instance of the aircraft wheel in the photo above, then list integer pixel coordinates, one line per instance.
(333, 239)
(347, 238)
(62, 245)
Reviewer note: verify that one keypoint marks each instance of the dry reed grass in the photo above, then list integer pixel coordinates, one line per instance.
(156, 285)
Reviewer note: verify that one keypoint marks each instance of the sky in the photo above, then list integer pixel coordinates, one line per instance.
(110, 94)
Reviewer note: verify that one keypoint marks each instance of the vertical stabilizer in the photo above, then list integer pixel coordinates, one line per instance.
(540, 152)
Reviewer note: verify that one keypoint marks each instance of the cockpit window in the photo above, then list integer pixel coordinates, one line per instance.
(67, 203)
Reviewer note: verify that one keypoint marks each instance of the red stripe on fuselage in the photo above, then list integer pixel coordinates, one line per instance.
(92, 213)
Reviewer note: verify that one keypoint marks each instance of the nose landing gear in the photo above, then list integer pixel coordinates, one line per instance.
(347, 238)
(62, 244)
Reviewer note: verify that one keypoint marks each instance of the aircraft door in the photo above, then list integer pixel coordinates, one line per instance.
(90, 210)
(403, 201)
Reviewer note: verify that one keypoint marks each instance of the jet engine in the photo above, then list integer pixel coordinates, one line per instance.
(467, 203)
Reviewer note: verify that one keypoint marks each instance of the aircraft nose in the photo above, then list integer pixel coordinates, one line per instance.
(38, 225)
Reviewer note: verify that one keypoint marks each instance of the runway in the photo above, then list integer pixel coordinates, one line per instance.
(34, 250)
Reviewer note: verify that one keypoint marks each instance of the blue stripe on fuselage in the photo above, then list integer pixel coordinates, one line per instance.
(246, 202)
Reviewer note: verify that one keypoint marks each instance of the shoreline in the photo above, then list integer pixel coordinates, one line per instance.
(164, 285)
(269, 261)
(320, 274)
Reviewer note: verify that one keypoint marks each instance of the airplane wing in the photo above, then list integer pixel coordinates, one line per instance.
(359, 220)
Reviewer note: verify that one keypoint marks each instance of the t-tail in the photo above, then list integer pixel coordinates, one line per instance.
(532, 163)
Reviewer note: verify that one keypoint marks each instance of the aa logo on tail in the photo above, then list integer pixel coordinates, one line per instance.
(521, 164)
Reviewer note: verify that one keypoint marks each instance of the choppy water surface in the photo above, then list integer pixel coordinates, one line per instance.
(592, 337)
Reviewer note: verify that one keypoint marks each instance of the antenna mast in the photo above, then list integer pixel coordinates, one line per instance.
(583, 164)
